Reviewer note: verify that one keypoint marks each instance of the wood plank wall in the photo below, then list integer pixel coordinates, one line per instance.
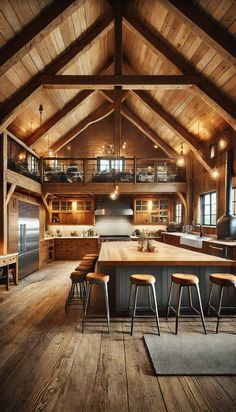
(89, 142)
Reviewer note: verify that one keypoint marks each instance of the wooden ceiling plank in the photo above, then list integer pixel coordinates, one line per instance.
(99, 114)
(126, 81)
(220, 104)
(147, 131)
(35, 31)
(170, 121)
(14, 104)
(201, 25)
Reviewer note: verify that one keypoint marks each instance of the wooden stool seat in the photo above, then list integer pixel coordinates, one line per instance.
(88, 258)
(92, 255)
(184, 279)
(223, 279)
(142, 279)
(78, 276)
(97, 277)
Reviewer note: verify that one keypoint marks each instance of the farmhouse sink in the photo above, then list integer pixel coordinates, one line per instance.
(189, 239)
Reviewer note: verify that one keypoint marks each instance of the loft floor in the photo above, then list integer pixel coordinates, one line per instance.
(46, 364)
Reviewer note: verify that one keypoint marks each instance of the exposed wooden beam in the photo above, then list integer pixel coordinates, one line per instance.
(13, 106)
(40, 27)
(10, 193)
(143, 127)
(60, 115)
(109, 96)
(126, 81)
(45, 204)
(200, 23)
(3, 193)
(221, 105)
(184, 202)
(117, 118)
(99, 114)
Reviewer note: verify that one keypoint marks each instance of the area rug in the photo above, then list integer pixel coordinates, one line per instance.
(192, 353)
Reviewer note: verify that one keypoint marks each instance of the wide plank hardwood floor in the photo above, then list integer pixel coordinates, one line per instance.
(47, 364)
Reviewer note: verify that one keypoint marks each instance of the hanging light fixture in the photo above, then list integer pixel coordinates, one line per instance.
(215, 174)
(181, 159)
(115, 193)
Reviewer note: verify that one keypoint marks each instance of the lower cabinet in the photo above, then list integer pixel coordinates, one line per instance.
(47, 251)
(75, 249)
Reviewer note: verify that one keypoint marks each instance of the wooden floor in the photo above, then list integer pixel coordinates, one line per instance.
(46, 364)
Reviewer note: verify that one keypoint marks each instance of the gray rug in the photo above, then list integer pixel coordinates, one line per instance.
(192, 353)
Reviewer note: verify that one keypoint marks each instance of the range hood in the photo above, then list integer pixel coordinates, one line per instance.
(118, 207)
(226, 224)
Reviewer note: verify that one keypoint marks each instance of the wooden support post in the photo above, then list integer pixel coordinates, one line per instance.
(10, 193)
(183, 200)
(3, 193)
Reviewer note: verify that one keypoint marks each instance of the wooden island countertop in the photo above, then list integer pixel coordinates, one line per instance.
(126, 253)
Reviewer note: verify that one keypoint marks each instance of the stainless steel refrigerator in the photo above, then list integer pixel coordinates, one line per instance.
(28, 238)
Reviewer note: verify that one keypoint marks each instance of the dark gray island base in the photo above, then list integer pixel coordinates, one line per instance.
(122, 260)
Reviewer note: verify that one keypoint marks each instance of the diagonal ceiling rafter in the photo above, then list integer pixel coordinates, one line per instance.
(205, 89)
(15, 104)
(40, 27)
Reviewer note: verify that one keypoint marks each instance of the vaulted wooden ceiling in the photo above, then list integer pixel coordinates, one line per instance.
(175, 61)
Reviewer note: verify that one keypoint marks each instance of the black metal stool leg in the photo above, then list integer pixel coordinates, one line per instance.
(201, 311)
(209, 299)
(130, 297)
(86, 305)
(219, 307)
(169, 300)
(155, 306)
(178, 309)
(107, 306)
(134, 307)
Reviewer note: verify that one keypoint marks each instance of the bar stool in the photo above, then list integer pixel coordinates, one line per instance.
(136, 282)
(96, 279)
(221, 280)
(77, 295)
(183, 280)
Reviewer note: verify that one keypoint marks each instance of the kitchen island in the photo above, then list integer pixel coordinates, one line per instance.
(121, 259)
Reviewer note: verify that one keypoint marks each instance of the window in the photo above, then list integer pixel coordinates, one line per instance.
(105, 165)
(208, 202)
(178, 212)
(234, 201)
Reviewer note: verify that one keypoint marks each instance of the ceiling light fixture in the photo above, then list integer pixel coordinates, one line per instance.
(222, 143)
(181, 159)
(115, 193)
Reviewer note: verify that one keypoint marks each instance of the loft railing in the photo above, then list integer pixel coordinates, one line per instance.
(22, 161)
(105, 169)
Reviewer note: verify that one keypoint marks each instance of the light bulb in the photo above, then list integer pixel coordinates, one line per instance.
(180, 161)
(222, 144)
(215, 173)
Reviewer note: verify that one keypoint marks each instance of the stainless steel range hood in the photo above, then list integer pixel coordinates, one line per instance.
(118, 207)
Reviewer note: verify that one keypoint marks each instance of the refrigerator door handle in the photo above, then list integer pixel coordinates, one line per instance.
(23, 238)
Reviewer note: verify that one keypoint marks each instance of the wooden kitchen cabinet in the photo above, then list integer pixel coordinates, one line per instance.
(47, 251)
(151, 211)
(76, 248)
(72, 212)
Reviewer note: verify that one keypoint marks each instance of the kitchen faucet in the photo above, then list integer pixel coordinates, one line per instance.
(200, 229)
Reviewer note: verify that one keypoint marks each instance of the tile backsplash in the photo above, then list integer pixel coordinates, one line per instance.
(106, 225)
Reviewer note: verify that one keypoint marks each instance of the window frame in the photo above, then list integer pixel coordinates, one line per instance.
(178, 212)
(110, 161)
(210, 205)
(234, 200)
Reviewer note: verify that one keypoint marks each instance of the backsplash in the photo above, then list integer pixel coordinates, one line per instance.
(106, 225)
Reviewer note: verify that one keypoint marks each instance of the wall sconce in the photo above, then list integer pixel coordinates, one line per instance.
(215, 174)
(222, 144)
(181, 159)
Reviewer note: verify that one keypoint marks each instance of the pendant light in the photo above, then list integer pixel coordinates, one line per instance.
(181, 159)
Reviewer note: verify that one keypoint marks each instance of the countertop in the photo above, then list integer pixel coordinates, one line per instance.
(7, 255)
(70, 237)
(123, 253)
(206, 238)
